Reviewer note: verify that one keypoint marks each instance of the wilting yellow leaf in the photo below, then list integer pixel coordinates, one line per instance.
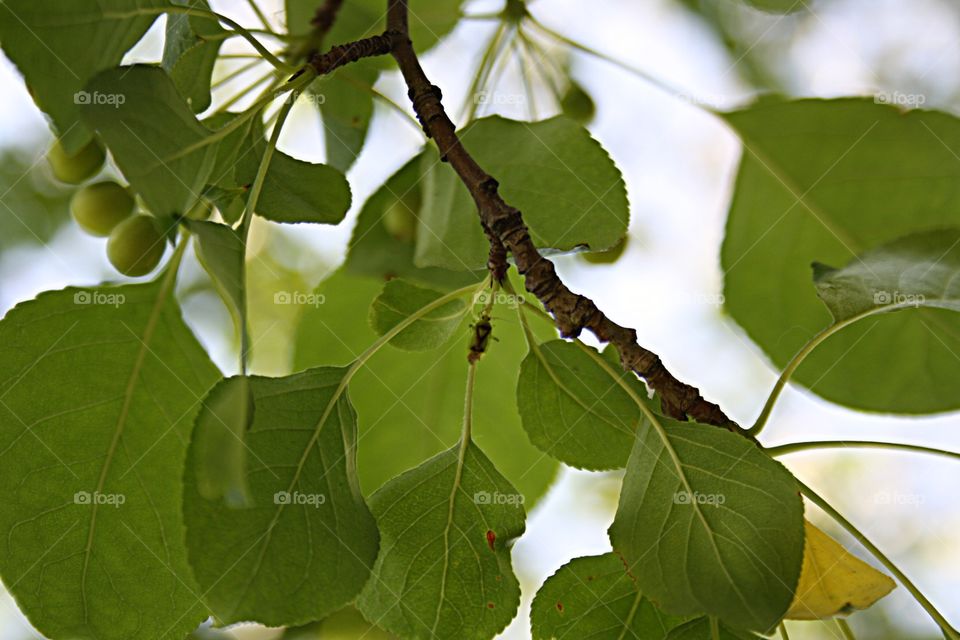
(833, 582)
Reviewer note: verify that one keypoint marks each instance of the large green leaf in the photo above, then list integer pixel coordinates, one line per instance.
(444, 565)
(374, 251)
(779, 6)
(827, 180)
(410, 403)
(305, 547)
(569, 190)
(594, 598)
(151, 131)
(59, 46)
(299, 191)
(709, 524)
(574, 410)
(399, 300)
(921, 270)
(99, 388)
(190, 51)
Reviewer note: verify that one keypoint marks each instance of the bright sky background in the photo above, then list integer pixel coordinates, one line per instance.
(678, 161)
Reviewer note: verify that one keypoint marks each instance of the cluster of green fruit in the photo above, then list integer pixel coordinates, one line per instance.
(136, 242)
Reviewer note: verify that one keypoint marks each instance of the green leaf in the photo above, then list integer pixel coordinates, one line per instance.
(444, 565)
(594, 598)
(828, 180)
(708, 523)
(569, 190)
(400, 300)
(189, 54)
(221, 251)
(299, 191)
(148, 127)
(219, 442)
(574, 410)
(347, 108)
(305, 547)
(921, 270)
(429, 20)
(374, 251)
(59, 46)
(420, 394)
(346, 624)
(99, 388)
(699, 629)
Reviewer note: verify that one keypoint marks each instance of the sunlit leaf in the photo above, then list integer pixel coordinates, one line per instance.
(99, 390)
(419, 395)
(594, 598)
(305, 546)
(827, 180)
(59, 46)
(444, 566)
(568, 188)
(833, 581)
(151, 133)
(709, 524)
(574, 410)
(399, 300)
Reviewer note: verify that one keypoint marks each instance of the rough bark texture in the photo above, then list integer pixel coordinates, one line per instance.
(506, 230)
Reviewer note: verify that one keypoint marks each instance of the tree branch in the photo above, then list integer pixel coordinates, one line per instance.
(504, 225)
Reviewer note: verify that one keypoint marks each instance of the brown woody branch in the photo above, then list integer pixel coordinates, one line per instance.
(505, 228)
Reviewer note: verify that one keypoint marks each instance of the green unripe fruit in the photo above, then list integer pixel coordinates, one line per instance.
(400, 221)
(136, 246)
(100, 207)
(78, 167)
(577, 104)
(609, 256)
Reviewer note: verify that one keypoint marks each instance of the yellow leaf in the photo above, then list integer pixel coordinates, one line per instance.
(832, 581)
